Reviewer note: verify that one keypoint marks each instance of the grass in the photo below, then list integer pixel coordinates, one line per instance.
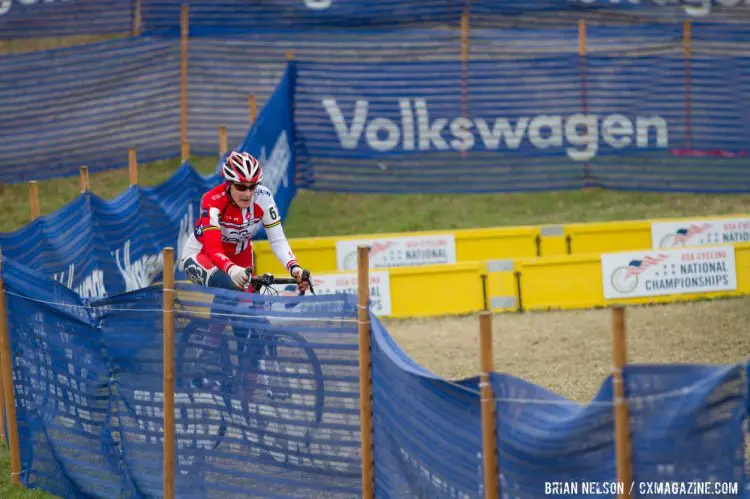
(24, 45)
(9, 491)
(326, 213)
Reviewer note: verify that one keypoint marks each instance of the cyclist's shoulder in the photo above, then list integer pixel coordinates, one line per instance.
(215, 198)
(263, 195)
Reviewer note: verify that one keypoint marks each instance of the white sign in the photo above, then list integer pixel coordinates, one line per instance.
(399, 251)
(276, 166)
(380, 288)
(700, 232)
(668, 272)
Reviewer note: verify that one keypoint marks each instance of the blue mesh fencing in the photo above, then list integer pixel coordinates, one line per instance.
(31, 18)
(426, 432)
(686, 424)
(544, 123)
(131, 91)
(28, 18)
(233, 15)
(266, 392)
(61, 388)
(90, 103)
(100, 248)
(267, 404)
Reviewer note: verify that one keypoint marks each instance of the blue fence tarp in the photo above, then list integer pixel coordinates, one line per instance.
(130, 98)
(91, 104)
(162, 15)
(619, 122)
(29, 18)
(89, 393)
(88, 385)
(32, 19)
(100, 248)
(535, 124)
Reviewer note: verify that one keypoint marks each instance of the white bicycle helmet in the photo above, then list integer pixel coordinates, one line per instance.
(241, 167)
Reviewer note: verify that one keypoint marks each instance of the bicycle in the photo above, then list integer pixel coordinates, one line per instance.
(214, 375)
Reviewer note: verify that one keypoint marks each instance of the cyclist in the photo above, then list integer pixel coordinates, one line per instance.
(219, 250)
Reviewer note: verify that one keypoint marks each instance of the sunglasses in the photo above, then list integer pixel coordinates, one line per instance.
(243, 187)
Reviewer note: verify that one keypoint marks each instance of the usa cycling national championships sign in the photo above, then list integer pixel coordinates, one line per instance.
(399, 251)
(380, 288)
(700, 232)
(669, 272)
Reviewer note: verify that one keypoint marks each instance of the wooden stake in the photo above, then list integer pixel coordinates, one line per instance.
(687, 43)
(489, 427)
(582, 47)
(465, 63)
(133, 166)
(169, 430)
(137, 17)
(365, 376)
(85, 179)
(223, 141)
(582, 37)
(8, 389)
(622, 423)
(184, 34)
(253, 109)
(34, 199)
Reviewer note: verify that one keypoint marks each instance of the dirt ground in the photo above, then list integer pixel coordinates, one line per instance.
(570, 352)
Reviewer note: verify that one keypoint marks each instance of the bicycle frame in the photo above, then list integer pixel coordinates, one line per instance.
(264, 362)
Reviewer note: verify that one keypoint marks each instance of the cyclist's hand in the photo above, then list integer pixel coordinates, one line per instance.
(238, 275)
(302, 285)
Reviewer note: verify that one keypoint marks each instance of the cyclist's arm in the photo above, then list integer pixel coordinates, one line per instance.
(275, 232)
(212, 238)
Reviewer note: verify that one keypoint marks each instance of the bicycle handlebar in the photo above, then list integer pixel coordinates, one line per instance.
(269, 279)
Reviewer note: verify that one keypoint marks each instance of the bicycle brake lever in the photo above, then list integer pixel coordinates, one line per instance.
(306, 277)
(249, 273)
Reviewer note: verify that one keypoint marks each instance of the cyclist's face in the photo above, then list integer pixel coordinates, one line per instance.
(242, 194)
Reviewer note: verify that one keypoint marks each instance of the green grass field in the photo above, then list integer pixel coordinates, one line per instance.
(324, 213)
(9, 491)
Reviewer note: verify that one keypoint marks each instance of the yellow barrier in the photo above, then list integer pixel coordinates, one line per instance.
(433, 290)
(575, 281)
(606, 237)
(318, 254)
(498, 268)
(538, 283)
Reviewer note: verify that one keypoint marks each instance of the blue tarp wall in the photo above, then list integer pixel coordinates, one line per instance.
(30, 18)
(101, 248)
(88, 385)
(95, 101)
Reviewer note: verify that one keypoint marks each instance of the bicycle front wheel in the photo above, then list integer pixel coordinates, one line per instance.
(285, 396)
(203, 381)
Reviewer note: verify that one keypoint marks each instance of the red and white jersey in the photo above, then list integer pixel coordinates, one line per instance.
(223, 231)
